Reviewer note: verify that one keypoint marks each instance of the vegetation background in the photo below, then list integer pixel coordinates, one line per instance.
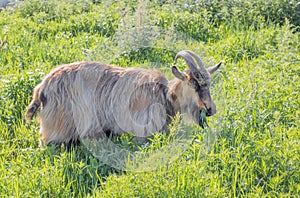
(252, 147)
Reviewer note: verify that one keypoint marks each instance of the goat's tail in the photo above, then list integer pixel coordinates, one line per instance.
(34, 105)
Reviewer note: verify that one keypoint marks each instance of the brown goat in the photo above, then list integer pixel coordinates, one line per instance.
(92, 100)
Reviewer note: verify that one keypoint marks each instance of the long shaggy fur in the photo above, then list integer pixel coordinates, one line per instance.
(93, 100)
(89, 99)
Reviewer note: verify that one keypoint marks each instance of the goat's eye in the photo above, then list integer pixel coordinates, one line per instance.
(196, 75)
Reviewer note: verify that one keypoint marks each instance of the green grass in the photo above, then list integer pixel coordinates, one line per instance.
(252, 145)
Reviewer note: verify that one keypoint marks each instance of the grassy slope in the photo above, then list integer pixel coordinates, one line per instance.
(255, 149)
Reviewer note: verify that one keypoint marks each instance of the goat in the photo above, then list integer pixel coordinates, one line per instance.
(93, 100)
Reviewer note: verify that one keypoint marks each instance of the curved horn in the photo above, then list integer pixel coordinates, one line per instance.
(188, 59)
(200, 63)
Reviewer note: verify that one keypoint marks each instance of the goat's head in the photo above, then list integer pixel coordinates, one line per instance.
(195, 87)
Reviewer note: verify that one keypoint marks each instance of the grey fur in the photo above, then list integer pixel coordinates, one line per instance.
(91, 100)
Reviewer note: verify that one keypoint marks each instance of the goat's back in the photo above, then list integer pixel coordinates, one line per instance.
(90, 99)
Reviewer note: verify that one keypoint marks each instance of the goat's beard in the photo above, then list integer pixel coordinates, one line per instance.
(201, 123)
(200, 117)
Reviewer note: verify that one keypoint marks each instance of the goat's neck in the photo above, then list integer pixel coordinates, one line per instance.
(175, 93)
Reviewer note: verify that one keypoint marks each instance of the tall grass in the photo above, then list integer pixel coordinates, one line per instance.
(252, 146)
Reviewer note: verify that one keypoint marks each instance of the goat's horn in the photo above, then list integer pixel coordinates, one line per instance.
(200, 63)
(188, 59)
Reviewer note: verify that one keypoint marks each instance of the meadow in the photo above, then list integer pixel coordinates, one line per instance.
(252, 145)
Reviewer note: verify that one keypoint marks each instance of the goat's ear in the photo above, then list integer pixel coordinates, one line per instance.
(212, 69)
(177, 73)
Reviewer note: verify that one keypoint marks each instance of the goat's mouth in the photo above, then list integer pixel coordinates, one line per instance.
(202, 118)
